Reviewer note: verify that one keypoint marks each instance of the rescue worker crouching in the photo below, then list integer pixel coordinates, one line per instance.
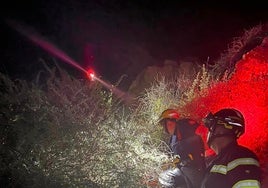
(188, 147)
(234, 166)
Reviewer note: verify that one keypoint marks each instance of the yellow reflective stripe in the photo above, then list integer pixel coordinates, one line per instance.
(222, 169)
(219, 169)
(242, 161)
(247, 184)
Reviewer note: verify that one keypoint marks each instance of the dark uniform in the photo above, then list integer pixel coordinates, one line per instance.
(190, 168)
(192, 164)
(191, 151)
(235, 166)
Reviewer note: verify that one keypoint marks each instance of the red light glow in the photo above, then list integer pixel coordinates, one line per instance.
(91, 74)
(246, 91)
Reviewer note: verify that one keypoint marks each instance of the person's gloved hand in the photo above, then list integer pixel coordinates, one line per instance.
(171, 178)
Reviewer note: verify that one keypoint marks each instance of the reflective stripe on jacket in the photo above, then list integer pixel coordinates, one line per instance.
(234, 167)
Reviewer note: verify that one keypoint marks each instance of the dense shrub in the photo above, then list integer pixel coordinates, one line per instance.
(76, 133)
(72, 134)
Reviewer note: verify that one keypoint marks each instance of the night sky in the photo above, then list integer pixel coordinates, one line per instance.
(119, 37)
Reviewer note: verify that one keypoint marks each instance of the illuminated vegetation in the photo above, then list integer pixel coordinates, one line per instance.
(75, 133)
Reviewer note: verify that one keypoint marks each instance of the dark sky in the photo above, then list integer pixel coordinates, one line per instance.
(123, 36)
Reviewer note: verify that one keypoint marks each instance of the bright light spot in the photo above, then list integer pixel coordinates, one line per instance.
(91, 74)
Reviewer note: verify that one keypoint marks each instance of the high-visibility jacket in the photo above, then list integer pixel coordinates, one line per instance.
(234, 167)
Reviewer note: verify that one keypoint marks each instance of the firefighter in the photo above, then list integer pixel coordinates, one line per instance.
(233, 165)
(187, 148)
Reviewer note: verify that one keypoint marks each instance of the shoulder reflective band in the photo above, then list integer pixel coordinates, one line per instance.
(222, 169)
(242, 161)
(247, 184)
